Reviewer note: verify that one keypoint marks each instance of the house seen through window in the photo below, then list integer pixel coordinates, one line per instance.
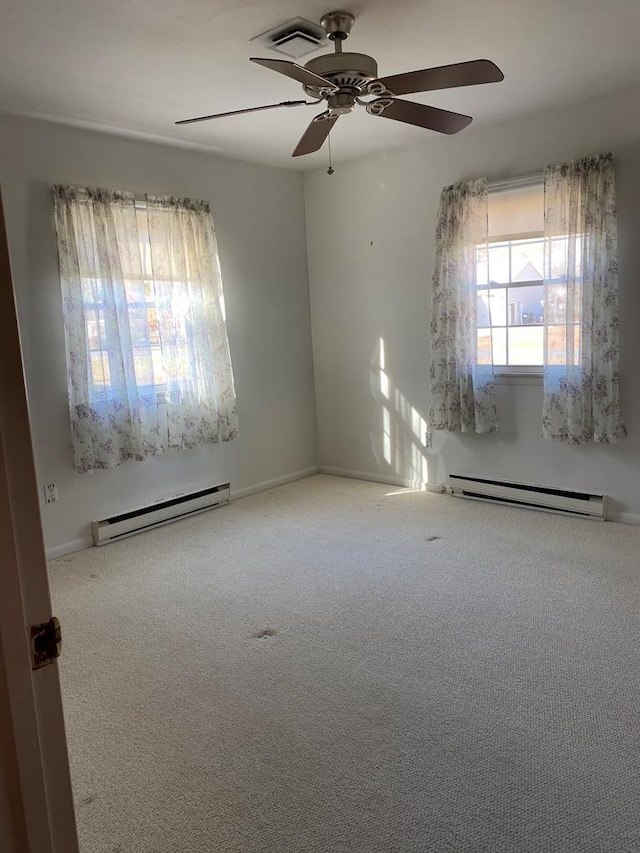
(522, 304)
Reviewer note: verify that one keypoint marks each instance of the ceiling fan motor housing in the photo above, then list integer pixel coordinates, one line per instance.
(351, 71)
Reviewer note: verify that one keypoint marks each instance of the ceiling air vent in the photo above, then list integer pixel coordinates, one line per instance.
(295, 38)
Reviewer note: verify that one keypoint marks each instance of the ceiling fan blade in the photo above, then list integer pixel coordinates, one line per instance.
(248, 110)
(421, 115)
(296, 72)
(444, 77)
(314, 136)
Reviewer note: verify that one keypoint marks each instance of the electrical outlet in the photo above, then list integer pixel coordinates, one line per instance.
(428, 439)
(50, 493)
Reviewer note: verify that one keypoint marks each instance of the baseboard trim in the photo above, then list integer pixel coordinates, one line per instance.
(236, 494)
(437, 488)
(379, 478)
(68, 548)
(623, 517)
(81, 544)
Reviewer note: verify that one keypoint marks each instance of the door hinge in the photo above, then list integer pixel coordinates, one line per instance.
(46, 643)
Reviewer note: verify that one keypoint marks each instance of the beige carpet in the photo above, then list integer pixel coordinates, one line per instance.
(343, 667)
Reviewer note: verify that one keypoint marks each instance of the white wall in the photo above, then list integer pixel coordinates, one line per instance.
(370, 231)
(260, 224)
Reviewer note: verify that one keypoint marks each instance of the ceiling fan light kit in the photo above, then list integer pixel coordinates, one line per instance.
(344, 80)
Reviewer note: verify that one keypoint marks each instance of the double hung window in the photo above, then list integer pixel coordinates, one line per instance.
(526, 280)
(144, 326)
(522, 300)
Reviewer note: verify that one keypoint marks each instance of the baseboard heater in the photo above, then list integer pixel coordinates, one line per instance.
(162, 512)
(545, 498)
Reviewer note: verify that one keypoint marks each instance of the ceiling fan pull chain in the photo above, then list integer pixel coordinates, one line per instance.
(330, 170)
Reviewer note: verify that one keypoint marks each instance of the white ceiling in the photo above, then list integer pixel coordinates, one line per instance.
(137, 66)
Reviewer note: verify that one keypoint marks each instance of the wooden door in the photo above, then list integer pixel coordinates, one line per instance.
(38, 773)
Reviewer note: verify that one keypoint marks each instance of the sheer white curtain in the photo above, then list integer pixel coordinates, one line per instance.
(143, 317)
(581, 379)
(462, 391)
(199, 388)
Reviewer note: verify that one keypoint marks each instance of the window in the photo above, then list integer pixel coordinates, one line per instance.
(510, 294)
(526, 280)
(141, 292)
(144, 324)
(513, 301)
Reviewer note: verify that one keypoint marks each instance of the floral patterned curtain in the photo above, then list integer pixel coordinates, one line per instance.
(581, 381)
(462, 392)
(199, 389)
(144, 326)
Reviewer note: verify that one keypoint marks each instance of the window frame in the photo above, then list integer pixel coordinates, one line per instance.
(103, 390)
(545, 282)
(511, 369)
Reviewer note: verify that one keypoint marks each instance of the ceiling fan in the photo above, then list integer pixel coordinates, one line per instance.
(345, 79)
